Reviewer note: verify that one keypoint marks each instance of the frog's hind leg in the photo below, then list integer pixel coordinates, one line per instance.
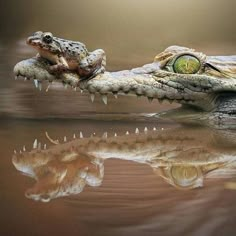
(60, 66)
(93, 64)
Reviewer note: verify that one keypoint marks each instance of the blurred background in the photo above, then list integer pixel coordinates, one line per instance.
(131, 32)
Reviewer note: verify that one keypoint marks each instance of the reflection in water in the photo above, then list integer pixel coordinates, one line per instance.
(182, 157)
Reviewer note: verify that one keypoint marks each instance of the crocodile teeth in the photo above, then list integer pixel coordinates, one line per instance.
(45, 146)
(74, 136)
(16, 77)
(65, 139)
(75, 89)
(81, 135)
(40, 86)
(115, 135)
(92, 97)
(104, 135)
(36, 83)
(35, 144)
(115, 95)
(25, 78)
(145, 130)
(15, 151)
(24, 149)
(47, 88)
(104, 99)
(136, 131)
(81, 90)
(39, 146)
(154, 129)
(127, 133)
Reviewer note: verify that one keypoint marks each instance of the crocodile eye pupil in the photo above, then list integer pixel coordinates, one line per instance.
(186, 64)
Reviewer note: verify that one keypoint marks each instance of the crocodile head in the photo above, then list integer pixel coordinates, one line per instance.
(177, 74)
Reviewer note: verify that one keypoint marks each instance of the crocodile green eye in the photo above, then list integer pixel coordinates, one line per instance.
(186, 64)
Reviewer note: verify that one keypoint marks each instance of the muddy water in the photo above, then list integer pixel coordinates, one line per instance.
(171, 181)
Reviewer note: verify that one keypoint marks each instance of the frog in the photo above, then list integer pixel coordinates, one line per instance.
(67, 55)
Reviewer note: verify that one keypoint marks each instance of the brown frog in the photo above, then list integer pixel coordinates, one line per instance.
(67, 55)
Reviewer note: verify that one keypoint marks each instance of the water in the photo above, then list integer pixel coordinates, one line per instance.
(175, 180)
(136, 193)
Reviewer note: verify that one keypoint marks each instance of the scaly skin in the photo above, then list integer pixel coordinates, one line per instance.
(211, 89)
(183, 157)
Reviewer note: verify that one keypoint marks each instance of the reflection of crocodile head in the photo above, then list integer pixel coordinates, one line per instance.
(183, 157)
(58, 174)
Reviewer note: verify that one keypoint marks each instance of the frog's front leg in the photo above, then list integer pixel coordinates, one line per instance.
(92, 65)
(60, 65)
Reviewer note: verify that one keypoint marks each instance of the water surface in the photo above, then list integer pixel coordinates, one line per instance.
(136, 194)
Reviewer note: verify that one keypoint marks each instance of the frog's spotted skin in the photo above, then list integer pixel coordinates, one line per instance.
(68, 55)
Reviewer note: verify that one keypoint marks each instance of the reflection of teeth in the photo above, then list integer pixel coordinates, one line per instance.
(104, 135)
(104, 99)
(136, 131)
(35, 144)
(81, 135)
(150, 99)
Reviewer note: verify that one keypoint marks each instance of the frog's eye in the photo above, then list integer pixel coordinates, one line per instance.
(47, 37)
(186, 64)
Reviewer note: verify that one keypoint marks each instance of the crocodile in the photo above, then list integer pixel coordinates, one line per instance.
(182, 157)
(205, 85)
